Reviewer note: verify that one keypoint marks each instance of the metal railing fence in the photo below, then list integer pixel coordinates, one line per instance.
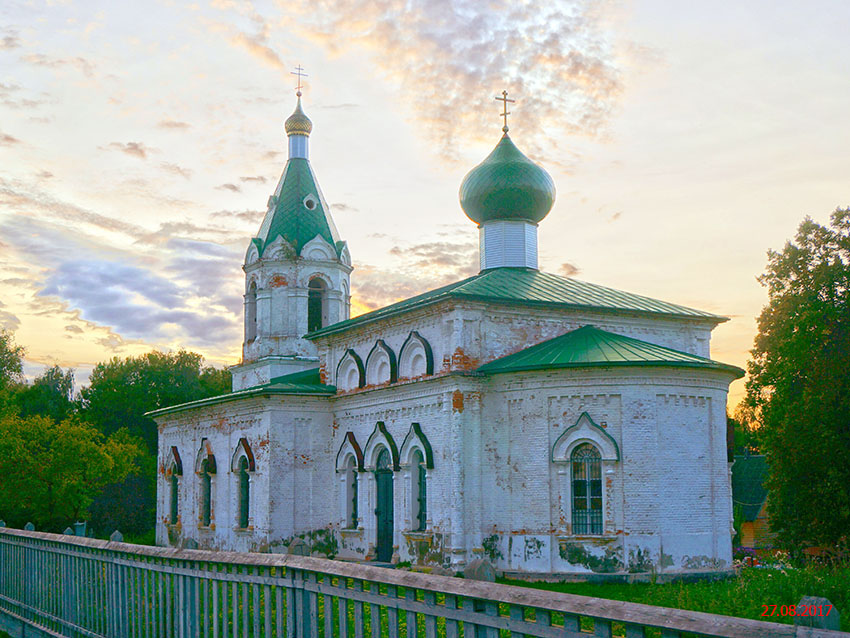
(71, 586)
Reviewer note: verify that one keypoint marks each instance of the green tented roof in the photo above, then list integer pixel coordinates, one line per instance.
(748, 476)
(306, 382)
(290, 218)
(527, 286)
(589, 346)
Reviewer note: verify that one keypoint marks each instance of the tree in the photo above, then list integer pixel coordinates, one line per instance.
(798, 392)
(52, 472)
(121, 392)
(11, 359)
(49, 395)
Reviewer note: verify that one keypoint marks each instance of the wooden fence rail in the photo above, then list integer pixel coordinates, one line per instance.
(55, 585)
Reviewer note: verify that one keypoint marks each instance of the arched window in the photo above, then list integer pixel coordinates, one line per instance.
(175, 496)
(251, 313)
(418, 491)
(351, 493)
(587, 489)
(316, 302)
(244, 492)
(206, 493)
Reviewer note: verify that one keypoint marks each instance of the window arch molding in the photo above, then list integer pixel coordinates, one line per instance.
(413, 441)
(173, 463)
(243, 448)
(205, 453)
(349, 449)
(380, 438)
(381, 357)
(350, 373)
(415, 352)
(584, 430)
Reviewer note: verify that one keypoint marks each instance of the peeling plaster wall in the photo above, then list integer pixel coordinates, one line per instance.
(268, 424)
(464, 334)
(666, 503)
(494, 490)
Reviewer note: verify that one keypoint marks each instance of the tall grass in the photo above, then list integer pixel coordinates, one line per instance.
(743, 596)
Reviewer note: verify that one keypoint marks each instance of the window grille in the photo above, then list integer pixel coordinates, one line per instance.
(244, 494)
(587, 490)
(174, 496)
(422, 500)
(206, 484)
(353, 519)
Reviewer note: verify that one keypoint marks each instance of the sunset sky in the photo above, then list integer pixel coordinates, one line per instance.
(139, 143)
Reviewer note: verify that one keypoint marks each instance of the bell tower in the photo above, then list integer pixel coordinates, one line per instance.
(296, 270)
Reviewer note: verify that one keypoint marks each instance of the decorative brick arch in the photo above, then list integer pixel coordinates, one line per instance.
(584, 430)
(379, 438)
(350, 361)
(349, 448)
(416, 440)
(205, 453)
(174, 461)
(243, 448)
(381, 353)
(415, 346)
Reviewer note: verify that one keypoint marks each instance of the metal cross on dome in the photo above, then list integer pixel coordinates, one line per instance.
(504, 100)
(300, 73)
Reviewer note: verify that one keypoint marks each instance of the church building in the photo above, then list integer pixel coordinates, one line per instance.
(547, 424)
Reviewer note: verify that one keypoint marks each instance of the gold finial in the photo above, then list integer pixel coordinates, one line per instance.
(300, 73)
(504, 100)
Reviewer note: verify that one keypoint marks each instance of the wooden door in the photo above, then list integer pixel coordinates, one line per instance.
(384, 510)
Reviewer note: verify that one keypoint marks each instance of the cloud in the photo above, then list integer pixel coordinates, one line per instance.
(229, 187)
(344, 105)
(344, 208)
(8, 321)
(258, 178)
(251, 216)
(135, 149)
(185, 173)
(417, 269)
(257, 45)
(39, 59)
(135, 302)
(10, 41)
(25, 202)
(556, 60)
(74, 329)
(568, 270)
(173, 124)
(8, 140)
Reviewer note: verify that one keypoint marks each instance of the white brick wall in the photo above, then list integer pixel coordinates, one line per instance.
(494, 489)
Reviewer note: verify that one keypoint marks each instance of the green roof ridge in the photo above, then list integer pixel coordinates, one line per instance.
(306, 382)
(528, 286)
(590, 346)
(290, 218)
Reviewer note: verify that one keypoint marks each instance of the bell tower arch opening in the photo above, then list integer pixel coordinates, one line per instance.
(251, 313)
(317, 304)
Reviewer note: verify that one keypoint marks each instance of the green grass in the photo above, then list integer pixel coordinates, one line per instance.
(743, 596)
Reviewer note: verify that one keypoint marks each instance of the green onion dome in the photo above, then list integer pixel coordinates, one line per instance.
(507, 186)
(298, 123)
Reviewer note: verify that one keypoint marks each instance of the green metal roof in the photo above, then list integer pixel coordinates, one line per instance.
(748, 491)
(507, 186)
(589, 346)
(527, 286)
(306, 382)
(289, 217)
